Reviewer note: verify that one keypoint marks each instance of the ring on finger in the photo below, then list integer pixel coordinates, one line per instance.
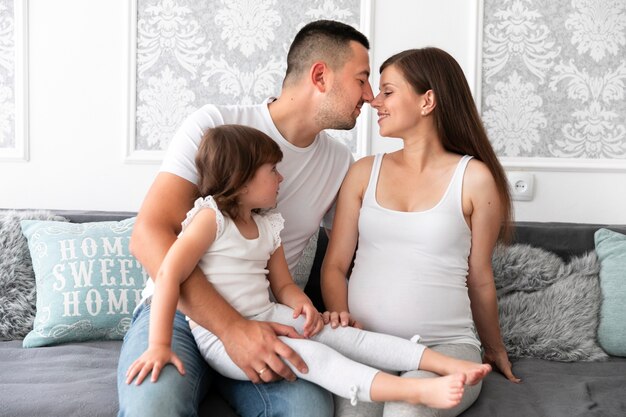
(261, 371)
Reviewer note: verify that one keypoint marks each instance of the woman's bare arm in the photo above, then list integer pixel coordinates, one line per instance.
(482, 204)
(342, 243)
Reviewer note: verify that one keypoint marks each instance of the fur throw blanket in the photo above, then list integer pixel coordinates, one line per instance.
(17, 278)
(548, 308)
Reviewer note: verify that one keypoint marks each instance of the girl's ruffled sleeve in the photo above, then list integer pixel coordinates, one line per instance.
(201, 204)
(277, 223)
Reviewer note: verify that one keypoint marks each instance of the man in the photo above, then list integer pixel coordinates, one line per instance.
(325, 85)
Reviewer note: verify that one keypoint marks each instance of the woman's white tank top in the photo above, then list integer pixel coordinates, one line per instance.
(410, 271)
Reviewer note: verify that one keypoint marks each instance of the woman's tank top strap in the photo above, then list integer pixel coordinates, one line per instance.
(453, 198)
(370, 191)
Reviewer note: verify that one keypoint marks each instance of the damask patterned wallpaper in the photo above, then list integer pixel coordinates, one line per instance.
(554, 78)
(194, 52)
(7, 76)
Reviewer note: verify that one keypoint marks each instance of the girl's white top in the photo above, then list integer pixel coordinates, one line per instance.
(235, 265)
(411, 268)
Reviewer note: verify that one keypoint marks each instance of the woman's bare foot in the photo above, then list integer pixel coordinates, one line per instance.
(440, 392)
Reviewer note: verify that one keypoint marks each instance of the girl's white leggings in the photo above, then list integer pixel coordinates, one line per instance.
(343, 360)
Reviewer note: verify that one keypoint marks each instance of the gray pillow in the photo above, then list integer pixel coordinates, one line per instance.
(17, 279)
(523, 268)
(548, 309)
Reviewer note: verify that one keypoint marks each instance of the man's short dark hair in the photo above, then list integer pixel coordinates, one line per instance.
(322, 40)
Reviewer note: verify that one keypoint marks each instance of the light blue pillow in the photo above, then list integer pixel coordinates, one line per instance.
(611, 249)
(88, 283)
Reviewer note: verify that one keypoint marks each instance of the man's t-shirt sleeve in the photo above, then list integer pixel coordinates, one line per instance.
(180, 158)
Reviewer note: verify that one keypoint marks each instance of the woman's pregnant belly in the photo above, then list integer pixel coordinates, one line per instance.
(435, 311)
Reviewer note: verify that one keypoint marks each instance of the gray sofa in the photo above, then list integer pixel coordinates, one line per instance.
(79, 379)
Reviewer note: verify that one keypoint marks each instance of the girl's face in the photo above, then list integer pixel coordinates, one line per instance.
(262, 189)
(399, 106)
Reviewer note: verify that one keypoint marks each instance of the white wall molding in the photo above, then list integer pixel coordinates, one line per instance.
(20, 153)
(535, 163)
(564, 164)
(478, 53)
(131, 153)
(364, 137)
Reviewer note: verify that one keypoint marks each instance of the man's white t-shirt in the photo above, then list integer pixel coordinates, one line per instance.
(312, 175)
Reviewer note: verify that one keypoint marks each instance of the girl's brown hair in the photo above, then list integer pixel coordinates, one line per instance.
(456, 118)
(227, 159)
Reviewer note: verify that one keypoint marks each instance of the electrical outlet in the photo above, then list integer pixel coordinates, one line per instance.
(522, 185)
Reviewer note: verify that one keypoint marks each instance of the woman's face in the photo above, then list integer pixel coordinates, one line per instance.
(398, 105)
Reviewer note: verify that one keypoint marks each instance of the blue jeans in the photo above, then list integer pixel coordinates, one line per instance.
(176, 395)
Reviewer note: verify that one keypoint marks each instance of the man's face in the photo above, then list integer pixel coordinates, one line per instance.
(349, 90)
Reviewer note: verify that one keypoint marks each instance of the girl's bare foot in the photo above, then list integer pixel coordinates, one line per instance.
(441, 364)
(441, 392)
(476, 373)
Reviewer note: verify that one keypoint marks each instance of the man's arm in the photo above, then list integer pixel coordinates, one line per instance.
(252, 345)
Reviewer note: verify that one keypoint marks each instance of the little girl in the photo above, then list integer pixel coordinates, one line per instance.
(236, 242)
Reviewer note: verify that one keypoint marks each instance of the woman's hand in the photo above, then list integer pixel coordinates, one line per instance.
(340, 318)
(500, 360)
(313, 323)
(153, 360)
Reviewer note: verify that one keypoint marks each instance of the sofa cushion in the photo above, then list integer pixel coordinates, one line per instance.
(564, 239)
(74, 379)
(548, 308)
(554, 389)
(611, 248)
(17, 279)
(87, 281)
(524, 268)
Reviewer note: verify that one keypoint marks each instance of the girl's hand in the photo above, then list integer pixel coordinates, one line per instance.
(313, 323)
(340, 318)
(153, 360)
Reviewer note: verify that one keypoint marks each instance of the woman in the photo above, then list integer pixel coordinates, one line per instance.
(426, 219)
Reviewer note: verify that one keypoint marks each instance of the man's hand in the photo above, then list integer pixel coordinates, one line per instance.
(255, 347)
